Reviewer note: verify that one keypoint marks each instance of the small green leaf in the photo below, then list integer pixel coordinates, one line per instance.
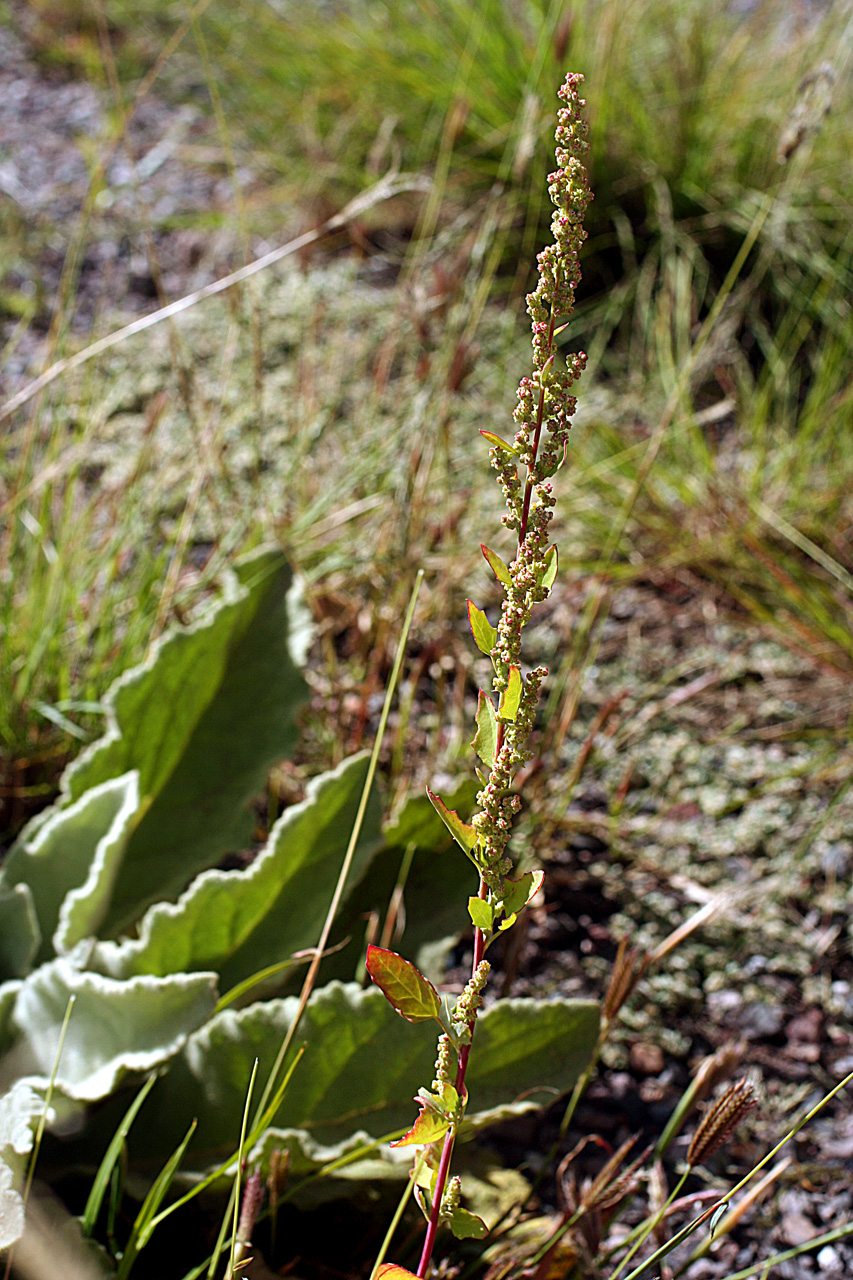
(497, 565)
(485, 740)
(429, 1127)
(450, 1099)
(498, 442)
(482, 630)
(716, 1216)
(551, 563)
(518, 893)
(462, 832)
(403, 986)
(511, 696)
(482, 914)
(467, 1226)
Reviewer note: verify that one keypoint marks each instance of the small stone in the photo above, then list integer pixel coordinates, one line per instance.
(795, 1268)
(797, 1228)
(759, 1021)
(647, 1059)
(806, 1026)
(829, 1259)
(722, 1002)
(835, 861)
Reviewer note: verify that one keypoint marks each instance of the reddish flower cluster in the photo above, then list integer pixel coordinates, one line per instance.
(543, 420)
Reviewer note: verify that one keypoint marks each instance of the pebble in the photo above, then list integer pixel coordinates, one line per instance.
(760, 1021)
(647, 1059)
(829, 1259)
(797, 1229)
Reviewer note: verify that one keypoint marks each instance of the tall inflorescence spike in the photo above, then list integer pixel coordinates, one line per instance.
(542, 419)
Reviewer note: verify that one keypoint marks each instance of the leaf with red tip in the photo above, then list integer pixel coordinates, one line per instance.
(429, 1127)
(518, 893)
(463, 833)
(485, 740)
(390, 1271)
(403, 986)
(498, 566)
(498, 442)
(482, 630)
(511, 696)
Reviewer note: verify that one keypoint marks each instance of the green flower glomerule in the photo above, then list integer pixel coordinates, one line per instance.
(543, 420)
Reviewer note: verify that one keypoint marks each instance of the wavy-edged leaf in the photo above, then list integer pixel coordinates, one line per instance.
(511, 696)
(201, 722)
(240, 922)
(365, 1067)
(8, 996)
(75, 851)
(463, 832)
(403, 985)
(485, 740)
(485, 635)
(20, 1111)
(498, 442)
(115, 1027)
(11, 1207)
(19, 931)
(497, 565)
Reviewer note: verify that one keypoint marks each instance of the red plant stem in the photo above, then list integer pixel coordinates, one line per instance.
(449, 1137)
(479, 936)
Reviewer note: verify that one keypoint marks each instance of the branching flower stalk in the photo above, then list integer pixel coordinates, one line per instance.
(525, 468)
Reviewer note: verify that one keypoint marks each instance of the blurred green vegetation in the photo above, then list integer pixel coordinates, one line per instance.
(717, 412)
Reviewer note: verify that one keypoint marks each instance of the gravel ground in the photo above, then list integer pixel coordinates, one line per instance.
(720, 743)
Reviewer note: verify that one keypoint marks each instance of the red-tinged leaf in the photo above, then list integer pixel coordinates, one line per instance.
(497, 565)
(390, 1271)
(482, 630)
(482, 914)
(518, 893)
(511, 696)
(498, 442)
(551, 564)
(467, 1226)
(463, 833)
(403, 986)
(429, 1127)
(485, 740)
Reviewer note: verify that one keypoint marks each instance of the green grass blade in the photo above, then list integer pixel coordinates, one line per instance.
(237, 1172)
(146, 1219)
(223, 1168)
(102, 1177)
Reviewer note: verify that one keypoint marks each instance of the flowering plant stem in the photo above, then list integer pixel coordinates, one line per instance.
(505, 717)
